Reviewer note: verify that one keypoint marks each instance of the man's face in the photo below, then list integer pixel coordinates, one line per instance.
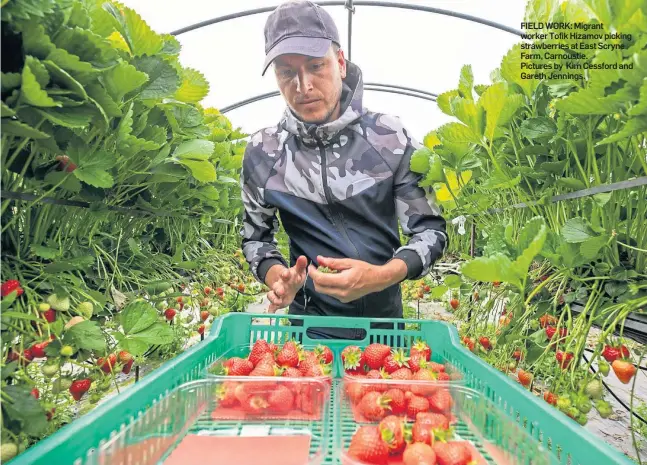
(312, 86)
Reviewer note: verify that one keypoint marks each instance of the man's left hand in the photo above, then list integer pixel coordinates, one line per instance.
(355, 278)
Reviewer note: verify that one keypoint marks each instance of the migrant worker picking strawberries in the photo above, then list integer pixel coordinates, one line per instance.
(338, 176)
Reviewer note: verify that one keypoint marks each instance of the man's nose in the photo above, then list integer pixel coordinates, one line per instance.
(304, 82)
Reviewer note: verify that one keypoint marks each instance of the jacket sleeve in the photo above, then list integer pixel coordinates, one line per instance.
(260, 225)
(420, 217)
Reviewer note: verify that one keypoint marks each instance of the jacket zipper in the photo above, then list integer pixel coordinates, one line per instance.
(333, 215)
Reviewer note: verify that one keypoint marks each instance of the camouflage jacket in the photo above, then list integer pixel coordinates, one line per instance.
(339, 189)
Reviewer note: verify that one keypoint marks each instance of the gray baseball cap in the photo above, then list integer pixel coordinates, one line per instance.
(300, 27)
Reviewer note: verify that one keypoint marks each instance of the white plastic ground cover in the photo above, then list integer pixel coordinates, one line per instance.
(392, 46)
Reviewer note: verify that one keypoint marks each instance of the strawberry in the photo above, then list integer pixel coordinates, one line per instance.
(422, 432)
(624, 370)
(324, 354)
(262, 369)
(416, 405)
(107, 365)
(594, 389)
(38, 349)
(437, 367)
(255, 405)
(353, 359)
(79, 387)
(423, 389)
(374, 406)
(36, 393)
(289, 355)
(441, 401)
(375, 354)
(127, 360)
(452, 453)
(241, 287)
(392, 433)
(396, 360)
(281, 400)
(525, 378)
(442, 376)
(611, 354)
(546, 320)
(226, 394)
(367, 446)
(422, 348)
(469, 342)
(624, 352)
(402, 374)
(517, 355)
(485, 342)
(419, 453)
(550, 398)
(454, 303)
(397, 401)
(207, 290)
(496, 283)
(291, 372)
(417, 361)
(273, 348)
(50, 315)
(169, 313)
(356, 390)
(563, 359)
(204, 315)
(241, 367)
(201, 329)
(313, 368)
(259, 348)
(550, 331)
(603, 367)
(435, 420)
(10, 286)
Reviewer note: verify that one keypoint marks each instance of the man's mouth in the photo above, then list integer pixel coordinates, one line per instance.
(308, 102)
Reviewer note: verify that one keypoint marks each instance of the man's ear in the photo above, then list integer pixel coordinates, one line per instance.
(341, 60)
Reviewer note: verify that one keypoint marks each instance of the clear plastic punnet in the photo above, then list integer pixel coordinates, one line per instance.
(237, 420)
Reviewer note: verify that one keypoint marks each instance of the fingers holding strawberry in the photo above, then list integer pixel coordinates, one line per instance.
(284, 283)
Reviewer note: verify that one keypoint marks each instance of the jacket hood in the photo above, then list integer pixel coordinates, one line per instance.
(351, 110)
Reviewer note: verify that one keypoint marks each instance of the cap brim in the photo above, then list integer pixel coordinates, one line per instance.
(309, 46)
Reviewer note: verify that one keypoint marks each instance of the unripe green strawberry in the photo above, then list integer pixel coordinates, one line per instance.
(95, 397)
(161, 305)
(563, 403)
(594, 389)
(534, 324)
(213, 311)
(603, 367)
(61, 384)
(584, 405)
(8, 450)
(62, 304)
(43, 307)
(85, 309)
(49, 369)
(604, 408)
(582, 419)
(67, 351)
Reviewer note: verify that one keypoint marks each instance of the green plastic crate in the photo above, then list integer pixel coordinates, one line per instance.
(76, 443)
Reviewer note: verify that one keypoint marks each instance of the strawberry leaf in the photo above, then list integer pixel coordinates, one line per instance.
(16, 128)
(141, 38)
(31, 88)
(194, 86)
(86, 335)
(137, 316)
(24, 408)
(202, 171)
(123, 79)
(163, 80)
(420, 160)
(576, 230)
(70, 117)
(197, 149)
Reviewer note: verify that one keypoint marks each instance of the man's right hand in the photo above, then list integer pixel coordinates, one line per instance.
(284, 283)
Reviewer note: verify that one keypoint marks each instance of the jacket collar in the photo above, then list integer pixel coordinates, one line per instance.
(351, 110)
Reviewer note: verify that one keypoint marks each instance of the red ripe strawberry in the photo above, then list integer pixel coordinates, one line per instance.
(207, 290)
(485, 342)
(402, 374)
(204, 315)
(274, 349)
(107, 364)
(281, 400)
(291, 372)
(397, 401)
(396, 360)
(469, 342)
(201, 329)
(417, 362)
(550, 331)
(442, 376)
(392, 433)
(50, 315)
(169, 313)
(517, 355)
(375, 354)
(314, 368)
(454, 303)
(624, 352)
(419, 453)
(437, 367)
(255, 405)
(416, 405)
(563, 359)
(79, 387)
(353, 359)
(422, 348)
(226, 394)
(550, 398)
(127, 360)
(289, 355)
(374, 406)
(624, 370)
(441, 401)
(496, 283)
(10, 286)
(423, 389)
(38, 349)
(324, 354)
(525, 378)
(263, 369)
(435, 420)
(35, 392)
(367, 446)
(355, 391)
(422, 432)
(240, 367)
(546, 320)
(452, 453)
(28, 356)
(259, 348)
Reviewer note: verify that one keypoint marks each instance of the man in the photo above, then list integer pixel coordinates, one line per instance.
(338, 176)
